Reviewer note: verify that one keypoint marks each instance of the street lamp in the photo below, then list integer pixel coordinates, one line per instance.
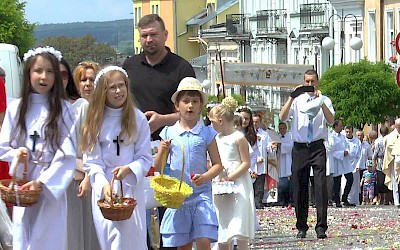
(328, 43)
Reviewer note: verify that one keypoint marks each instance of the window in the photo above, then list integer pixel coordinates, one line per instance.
(263, 55)
(296, 56)
(279, 4)
(306, 58)
(136, 16)
(371, 36)
(295, 6)
(157, 12)
(389, 34)
(152, 9)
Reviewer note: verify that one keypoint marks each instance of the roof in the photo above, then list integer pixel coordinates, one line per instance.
(203, 17)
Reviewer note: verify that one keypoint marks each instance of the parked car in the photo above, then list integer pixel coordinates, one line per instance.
(11, 63)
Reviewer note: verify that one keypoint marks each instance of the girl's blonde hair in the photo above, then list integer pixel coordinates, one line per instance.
(224, 110)
(94, 120)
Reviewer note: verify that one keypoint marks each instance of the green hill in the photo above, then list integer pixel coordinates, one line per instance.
(118, 33)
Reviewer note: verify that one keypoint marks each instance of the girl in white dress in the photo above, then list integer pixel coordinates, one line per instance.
(236, 210)
(42, 123)
(116, 142)
(81, 231)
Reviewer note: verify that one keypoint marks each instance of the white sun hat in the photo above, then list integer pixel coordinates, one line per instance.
(190, 83)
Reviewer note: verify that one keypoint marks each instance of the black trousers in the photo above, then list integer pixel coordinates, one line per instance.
(258, 187)
(336, 187)
(304, 157)
(284, 191)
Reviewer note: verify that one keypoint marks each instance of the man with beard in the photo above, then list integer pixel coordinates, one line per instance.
(155, 74)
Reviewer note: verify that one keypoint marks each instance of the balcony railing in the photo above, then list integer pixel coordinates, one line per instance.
(237, 25)
(271, 21)
(313, 16)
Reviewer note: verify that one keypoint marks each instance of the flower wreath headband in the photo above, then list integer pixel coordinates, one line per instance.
(108, 69)
(41, 50)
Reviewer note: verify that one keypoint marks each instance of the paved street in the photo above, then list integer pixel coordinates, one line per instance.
(362, 227)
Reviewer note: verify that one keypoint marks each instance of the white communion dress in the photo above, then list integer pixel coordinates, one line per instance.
(235, 211)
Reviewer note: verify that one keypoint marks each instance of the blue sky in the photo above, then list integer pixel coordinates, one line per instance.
(68, 11)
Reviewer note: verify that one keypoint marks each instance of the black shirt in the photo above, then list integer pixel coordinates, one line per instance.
(153, 86)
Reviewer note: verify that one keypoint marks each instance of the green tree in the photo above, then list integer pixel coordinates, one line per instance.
(362, 93)
(14, 28)
(126, 47)
(83, 48)
(214, 99)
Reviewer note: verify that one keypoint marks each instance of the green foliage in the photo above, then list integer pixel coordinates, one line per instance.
(14, 28)
(79, 49)
(126, 47)
(214, 99)
(362, 93)
(239, 99)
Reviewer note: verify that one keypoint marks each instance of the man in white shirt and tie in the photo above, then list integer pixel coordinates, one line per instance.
(309, 132)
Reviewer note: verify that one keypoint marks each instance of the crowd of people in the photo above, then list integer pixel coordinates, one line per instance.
(75, 130)
(86, 126)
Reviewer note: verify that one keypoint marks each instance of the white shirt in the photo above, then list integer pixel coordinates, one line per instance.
(366, 152)
(354, 152)
(337, 163)
(300, 120)
(260, 150)
(285, 155)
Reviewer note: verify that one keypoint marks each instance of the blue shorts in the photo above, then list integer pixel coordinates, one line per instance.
(193, 220)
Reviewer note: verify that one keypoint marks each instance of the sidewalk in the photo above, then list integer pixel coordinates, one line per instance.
(361, 227)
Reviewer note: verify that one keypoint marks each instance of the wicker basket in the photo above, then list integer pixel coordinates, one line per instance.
(20, 198)
(169, 191)
(117, 212)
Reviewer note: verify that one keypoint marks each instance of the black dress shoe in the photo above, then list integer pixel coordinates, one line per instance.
(338, 205)
(321, 235)
(348, 204)
(301, 234)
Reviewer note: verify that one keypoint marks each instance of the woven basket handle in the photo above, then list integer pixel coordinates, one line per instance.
(112, 185)
(164, 161)
(24, 174)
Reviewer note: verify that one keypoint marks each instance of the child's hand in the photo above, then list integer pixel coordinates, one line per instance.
(253, 175)
(84, 187)
(164, 146)
(121, 172)
(107, 192)
(22, 154)
(260, 159)
(272, 162)
(198, 179)
(32, 185)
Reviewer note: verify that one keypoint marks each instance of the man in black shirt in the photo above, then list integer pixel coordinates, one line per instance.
(155, 74)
